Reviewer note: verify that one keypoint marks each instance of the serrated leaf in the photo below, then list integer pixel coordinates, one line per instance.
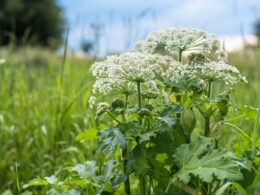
(200, 160)
(169, 120)
(146, 136)
(186, 152)
(109, 139)
(85, 170)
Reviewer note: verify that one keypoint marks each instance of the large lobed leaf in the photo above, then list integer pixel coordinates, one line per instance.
(199, 159)
(109, 139)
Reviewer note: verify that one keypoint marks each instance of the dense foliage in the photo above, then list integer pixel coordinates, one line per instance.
(163, 109)
(31, 21)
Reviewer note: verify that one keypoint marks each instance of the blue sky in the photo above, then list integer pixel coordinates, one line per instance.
(123, 22)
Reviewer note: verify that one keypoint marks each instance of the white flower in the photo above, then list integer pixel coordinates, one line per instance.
(175, 71)
(92, 101)
(120, 73)
(180, 39)
(217, 71)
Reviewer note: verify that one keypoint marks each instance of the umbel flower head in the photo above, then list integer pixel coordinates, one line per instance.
(179, 40)
(120, 73)
(216, 71)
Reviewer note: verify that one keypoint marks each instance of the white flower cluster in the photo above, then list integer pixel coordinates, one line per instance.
(92, 101)
(180, 39)
(120, 73)
(216, 71)
(175, 71)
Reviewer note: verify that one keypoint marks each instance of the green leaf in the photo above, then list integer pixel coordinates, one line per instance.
(200, 160)
(88, 135)
(54, 192)
(51, 180)
(118, 181)
(146, 136)
(137, 161)
(169, 120)
(85, 170)
(109, 139)
(36, 182)
(223, 188)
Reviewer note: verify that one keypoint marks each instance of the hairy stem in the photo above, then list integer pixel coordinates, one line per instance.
(178, 97)
(124, 154)
(207, 119)
(139, 95)
(127, 181)
(113, 117)
(141, 178)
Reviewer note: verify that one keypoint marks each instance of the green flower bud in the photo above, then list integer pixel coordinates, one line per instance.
(144, 112)
(101, 109)
(150, 95)
(117, 104)
(197, 58)
(206, 109)
(188, 120)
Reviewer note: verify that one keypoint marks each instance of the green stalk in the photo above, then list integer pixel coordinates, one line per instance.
(113, 117)
(256, 130)
(180, 55)
(207, 119)
(141, 178)
(178, 97)
(127, 181)
(139, 95)
(125, 154)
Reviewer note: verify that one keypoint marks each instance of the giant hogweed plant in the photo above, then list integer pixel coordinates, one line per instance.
(157, 94)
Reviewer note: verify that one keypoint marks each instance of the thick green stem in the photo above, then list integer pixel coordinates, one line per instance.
(124, 154)
(256, 129)
(141, 178)
(178, 97)
(207, 126)
(113, 117)
(207, 119)
(142, 185)
(127, 181)
(169, 185)
(180, 55)
(139, 95)
(209, 89)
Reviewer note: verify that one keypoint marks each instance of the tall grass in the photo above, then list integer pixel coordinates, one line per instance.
(35, 136)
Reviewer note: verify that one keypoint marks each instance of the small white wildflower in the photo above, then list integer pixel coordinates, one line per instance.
(217, 71)
(92, 102)
(179, 39)
(119, 73)
(174, 71)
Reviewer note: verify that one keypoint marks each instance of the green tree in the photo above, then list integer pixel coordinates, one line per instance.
(31, 22)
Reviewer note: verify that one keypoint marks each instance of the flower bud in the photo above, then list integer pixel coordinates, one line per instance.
(206, 109)
(150, 95)
(188, 120)
(101, 109)
(117, 104)
(144, 112)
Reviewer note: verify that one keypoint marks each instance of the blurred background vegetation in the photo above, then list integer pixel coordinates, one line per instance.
(44, 94)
